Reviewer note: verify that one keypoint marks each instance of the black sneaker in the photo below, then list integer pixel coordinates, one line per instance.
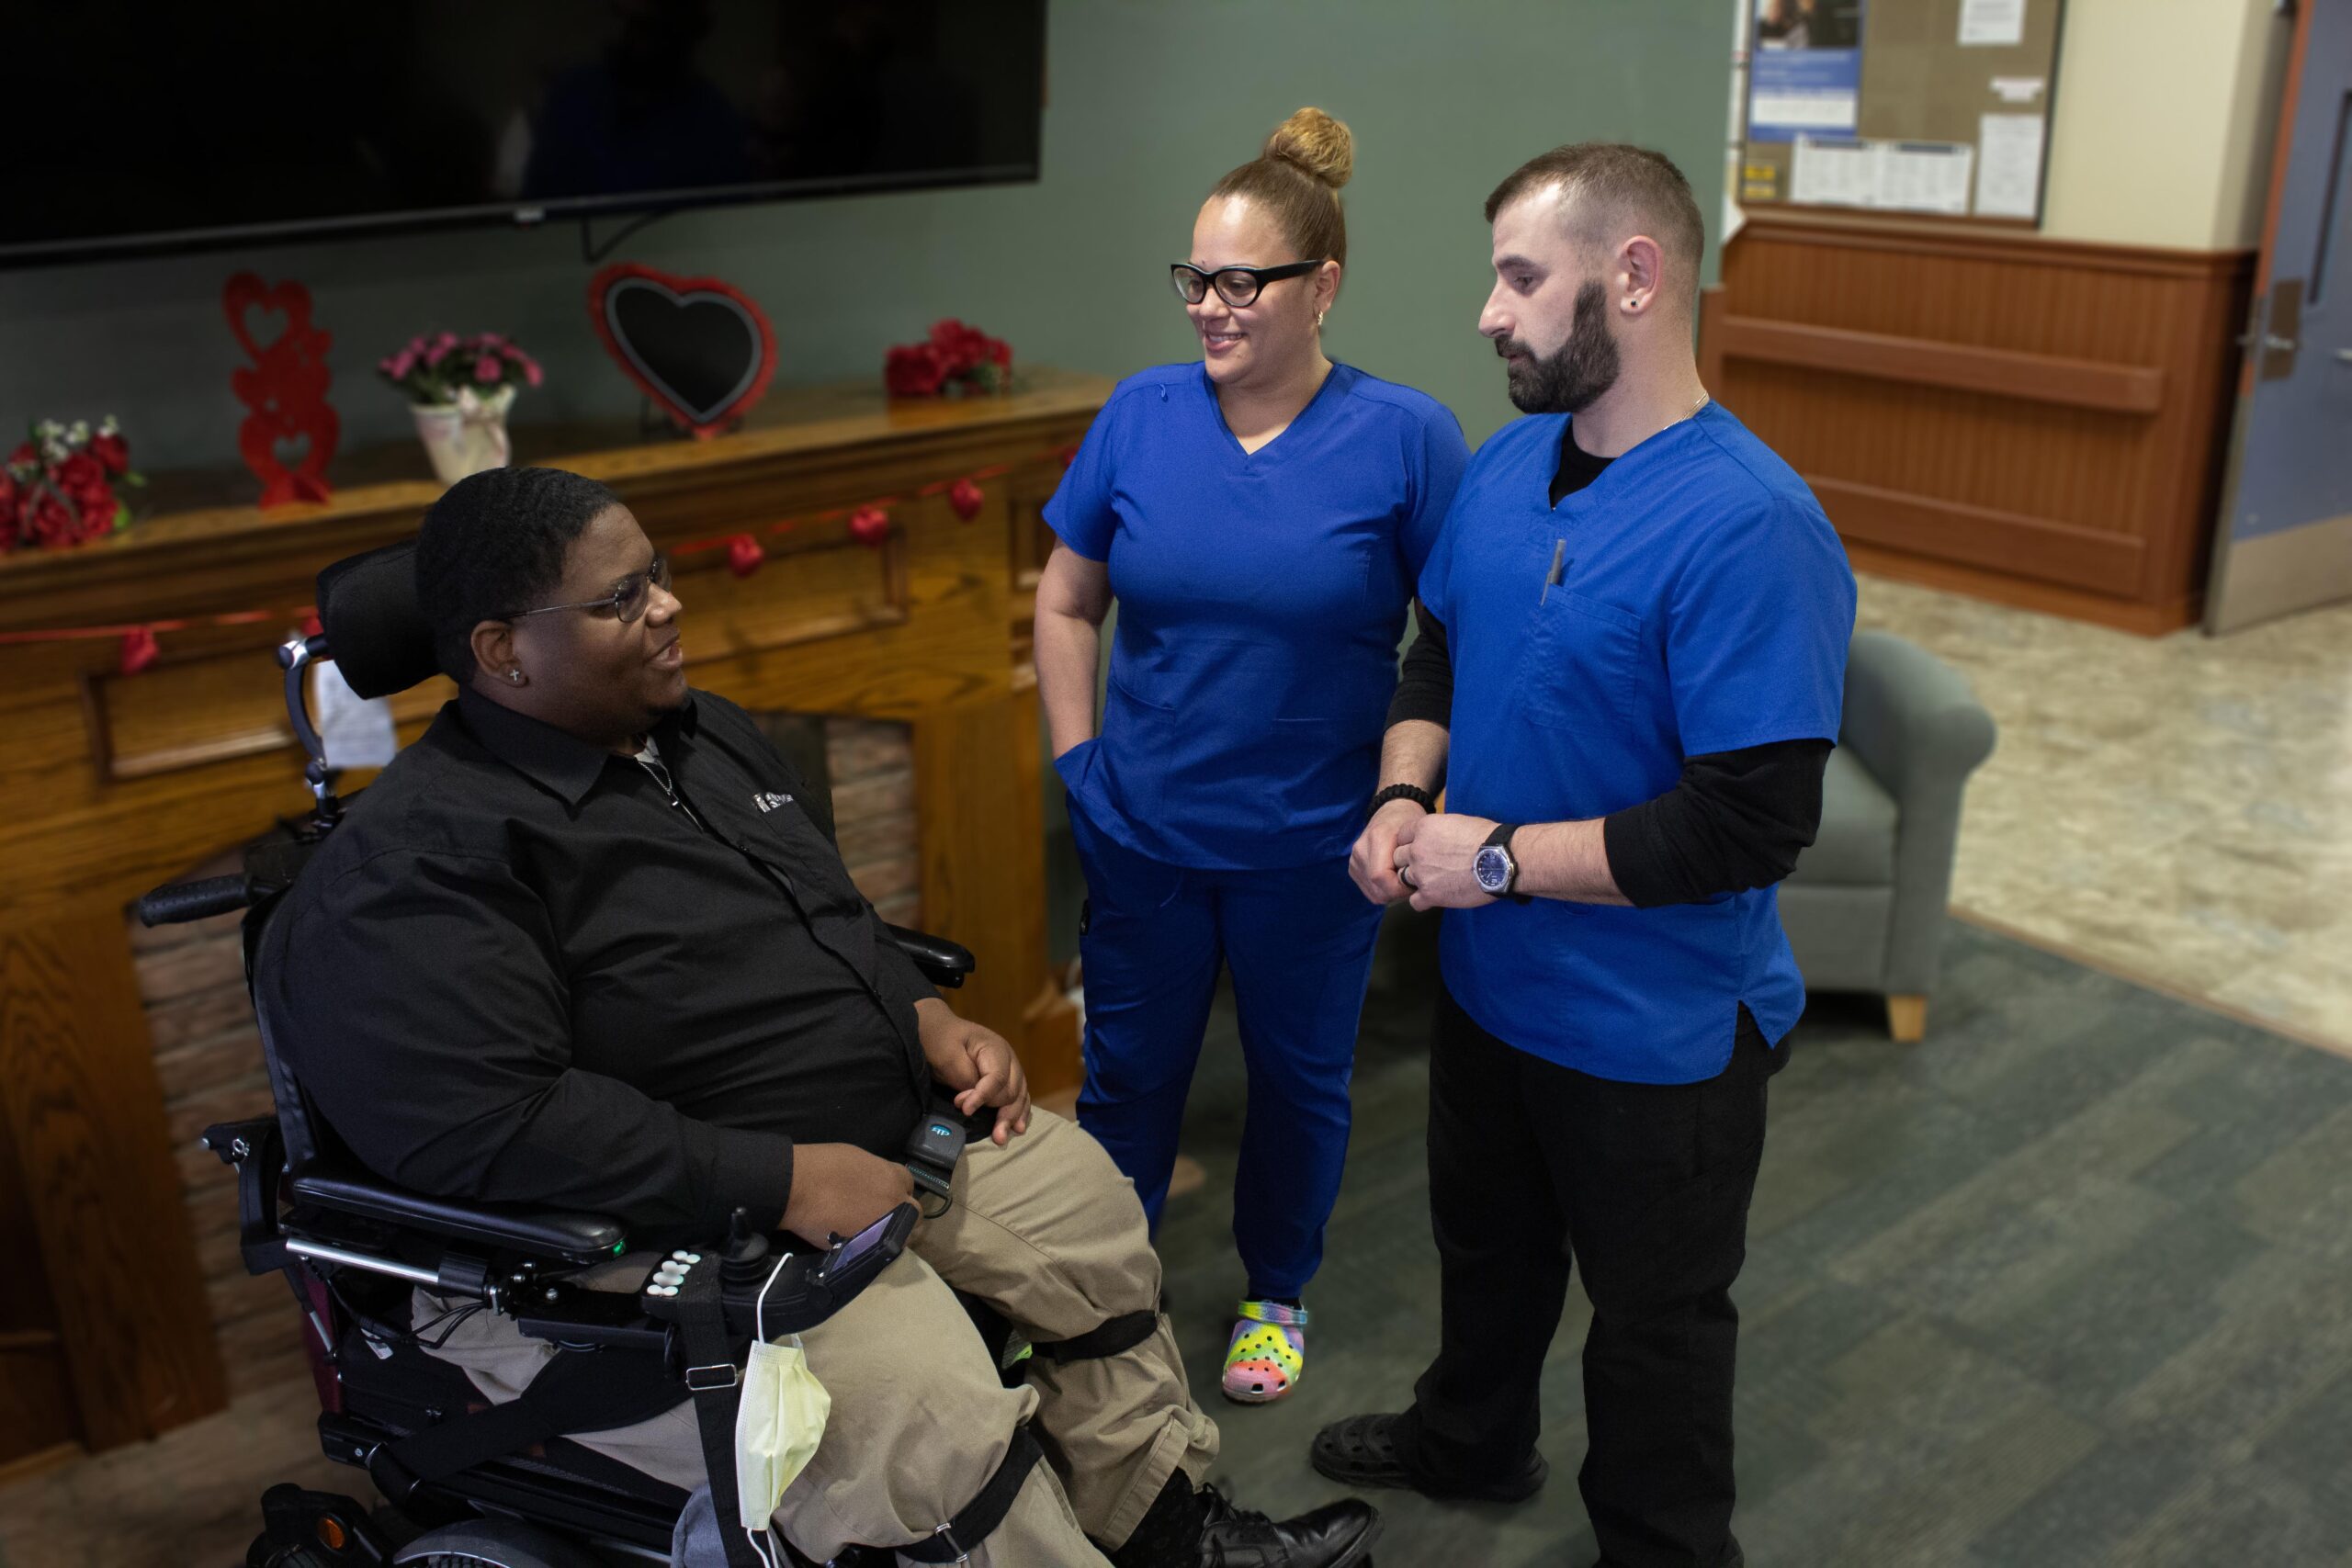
(1336, 1535)
(1361, 1451)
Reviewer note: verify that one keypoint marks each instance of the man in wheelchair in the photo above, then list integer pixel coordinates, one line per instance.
(587, 944)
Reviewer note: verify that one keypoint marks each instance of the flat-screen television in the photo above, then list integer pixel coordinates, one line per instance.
(139, 127)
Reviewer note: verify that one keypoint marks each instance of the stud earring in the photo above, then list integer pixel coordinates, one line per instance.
(515, 676)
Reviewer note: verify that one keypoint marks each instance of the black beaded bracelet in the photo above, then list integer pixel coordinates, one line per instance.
(1413, 793)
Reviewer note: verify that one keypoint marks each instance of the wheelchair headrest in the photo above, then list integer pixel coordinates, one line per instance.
(375, 633)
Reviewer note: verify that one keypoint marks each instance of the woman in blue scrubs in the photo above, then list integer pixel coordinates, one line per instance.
(1260, 515)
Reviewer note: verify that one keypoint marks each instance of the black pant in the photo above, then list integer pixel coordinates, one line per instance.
(1646, 1185)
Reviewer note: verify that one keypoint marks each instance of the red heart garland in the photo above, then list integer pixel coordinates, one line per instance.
(966, 498)
(744, 555)
(869, 526)
(139, 649)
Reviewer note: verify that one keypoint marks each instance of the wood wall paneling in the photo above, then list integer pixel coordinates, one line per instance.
(2039, 421)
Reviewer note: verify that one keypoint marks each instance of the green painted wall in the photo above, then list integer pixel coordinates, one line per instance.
(1151, 101)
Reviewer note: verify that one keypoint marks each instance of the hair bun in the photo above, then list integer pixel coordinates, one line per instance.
(1317, 143)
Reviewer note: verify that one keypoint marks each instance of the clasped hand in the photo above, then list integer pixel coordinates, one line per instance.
(1427, 860)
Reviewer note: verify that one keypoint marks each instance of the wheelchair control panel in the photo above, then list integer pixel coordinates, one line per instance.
(786, 1295)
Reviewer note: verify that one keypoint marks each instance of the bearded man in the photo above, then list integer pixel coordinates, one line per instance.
(1629, 677)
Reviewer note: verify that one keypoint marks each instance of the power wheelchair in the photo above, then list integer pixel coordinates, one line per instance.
(500, 1487)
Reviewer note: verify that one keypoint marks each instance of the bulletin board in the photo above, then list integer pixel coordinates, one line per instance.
(1917, 107)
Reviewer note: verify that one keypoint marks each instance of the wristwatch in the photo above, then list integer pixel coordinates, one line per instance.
(1413, 793)
(1496, 867)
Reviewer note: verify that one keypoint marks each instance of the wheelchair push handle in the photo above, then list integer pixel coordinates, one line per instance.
(181, 901)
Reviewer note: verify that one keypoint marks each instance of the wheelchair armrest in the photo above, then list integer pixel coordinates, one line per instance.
(944, 963)
(255, 1150)
(541, 1233)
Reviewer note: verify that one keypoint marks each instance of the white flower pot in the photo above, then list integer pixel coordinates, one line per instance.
(465, 436)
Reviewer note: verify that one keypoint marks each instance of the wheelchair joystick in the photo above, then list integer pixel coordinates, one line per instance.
(746, 1253)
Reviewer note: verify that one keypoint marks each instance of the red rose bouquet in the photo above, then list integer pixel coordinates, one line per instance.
(58, 487)
(955, 359)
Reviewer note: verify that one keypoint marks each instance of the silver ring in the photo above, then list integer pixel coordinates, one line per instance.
(1405, 875)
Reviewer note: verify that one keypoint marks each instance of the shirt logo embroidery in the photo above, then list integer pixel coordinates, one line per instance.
(770, 802)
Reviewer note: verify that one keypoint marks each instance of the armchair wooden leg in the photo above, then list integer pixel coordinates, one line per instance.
(1907, 1019)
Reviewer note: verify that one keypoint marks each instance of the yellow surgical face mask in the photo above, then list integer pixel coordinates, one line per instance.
(777, 1428)
(780, 1421)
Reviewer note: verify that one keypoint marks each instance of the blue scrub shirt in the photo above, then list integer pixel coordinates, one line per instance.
(1261, 596)
(1706, 604)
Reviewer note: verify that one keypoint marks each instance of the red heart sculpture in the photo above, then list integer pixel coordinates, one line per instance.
(699, 347)
(286, 391)
(246, 293)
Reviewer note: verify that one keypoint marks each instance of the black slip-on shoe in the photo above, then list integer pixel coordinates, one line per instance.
(1361, 1451)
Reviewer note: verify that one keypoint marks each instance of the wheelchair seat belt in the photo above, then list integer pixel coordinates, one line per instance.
(577, 1391)
(1113, 1337)
(715, 1381)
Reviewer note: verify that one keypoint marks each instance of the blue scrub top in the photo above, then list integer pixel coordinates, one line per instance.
(1261, 596)
(1704, 605)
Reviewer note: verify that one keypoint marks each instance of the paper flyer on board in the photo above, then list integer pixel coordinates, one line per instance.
(2008, 171)
(1893, 176)
(1805, 75)
(1996, 22)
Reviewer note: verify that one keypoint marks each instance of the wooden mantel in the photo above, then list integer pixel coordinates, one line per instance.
(111, 783)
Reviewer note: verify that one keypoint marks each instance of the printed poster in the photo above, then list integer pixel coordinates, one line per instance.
(1805, 73)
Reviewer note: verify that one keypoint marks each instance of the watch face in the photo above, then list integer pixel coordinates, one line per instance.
(1492, 868)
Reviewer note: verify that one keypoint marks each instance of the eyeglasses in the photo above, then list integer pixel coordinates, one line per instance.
(1236, 286)
(627, 601)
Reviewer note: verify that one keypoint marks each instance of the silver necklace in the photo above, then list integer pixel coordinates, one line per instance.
(1704, 399)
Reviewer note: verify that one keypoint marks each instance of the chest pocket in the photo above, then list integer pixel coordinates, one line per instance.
(793, 844)
(1581, 664)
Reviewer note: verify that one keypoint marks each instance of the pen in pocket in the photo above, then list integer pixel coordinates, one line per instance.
(1552, 578)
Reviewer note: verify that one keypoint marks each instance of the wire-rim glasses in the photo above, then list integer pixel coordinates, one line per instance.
(627, 601)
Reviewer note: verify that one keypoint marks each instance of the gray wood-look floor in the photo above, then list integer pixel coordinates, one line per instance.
(2069, 1284)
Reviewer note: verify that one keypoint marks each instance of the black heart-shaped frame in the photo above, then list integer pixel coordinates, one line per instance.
(699, 347)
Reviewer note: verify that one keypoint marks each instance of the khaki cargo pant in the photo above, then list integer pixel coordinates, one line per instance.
(1049, 1234)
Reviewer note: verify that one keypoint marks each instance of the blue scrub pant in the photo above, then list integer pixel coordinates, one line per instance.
(1299, 943)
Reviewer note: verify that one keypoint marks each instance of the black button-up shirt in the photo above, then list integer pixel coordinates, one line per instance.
(517, 973)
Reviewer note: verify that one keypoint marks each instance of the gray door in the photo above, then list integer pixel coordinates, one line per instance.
(2285, 539)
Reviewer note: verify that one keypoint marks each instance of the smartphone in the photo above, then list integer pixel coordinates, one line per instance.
(857, 1246)
(863, 1255)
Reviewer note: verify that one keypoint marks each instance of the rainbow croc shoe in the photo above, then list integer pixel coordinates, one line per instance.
(1268, 1353)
